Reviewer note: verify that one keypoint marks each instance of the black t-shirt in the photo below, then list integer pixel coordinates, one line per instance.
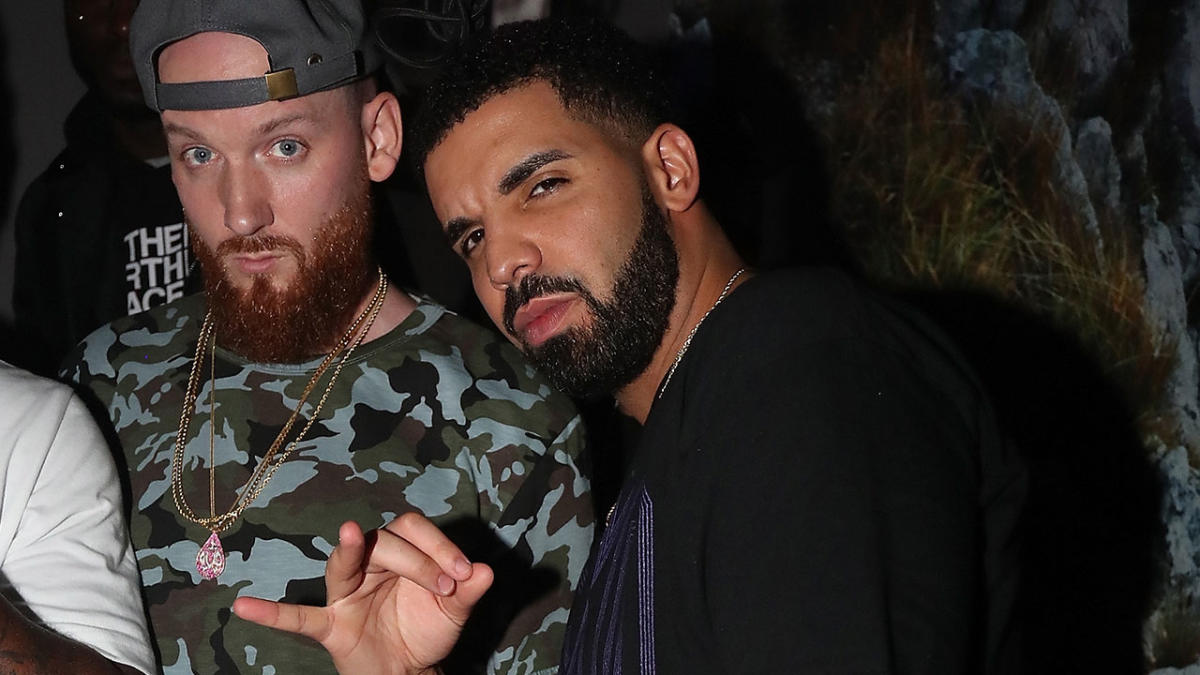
(819, 489)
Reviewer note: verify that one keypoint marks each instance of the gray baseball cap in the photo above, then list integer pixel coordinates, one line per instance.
(312, 45)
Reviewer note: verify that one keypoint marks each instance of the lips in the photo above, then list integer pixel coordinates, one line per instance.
(256, 263)
(541, 318)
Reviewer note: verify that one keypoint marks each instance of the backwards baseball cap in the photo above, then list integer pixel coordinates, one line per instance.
(312, 45)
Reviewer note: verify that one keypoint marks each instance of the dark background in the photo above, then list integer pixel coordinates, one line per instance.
(37, 89)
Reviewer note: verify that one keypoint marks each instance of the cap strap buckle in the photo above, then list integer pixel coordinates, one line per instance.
(281, 84)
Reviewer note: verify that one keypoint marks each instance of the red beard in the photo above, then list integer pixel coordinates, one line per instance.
(309, 316)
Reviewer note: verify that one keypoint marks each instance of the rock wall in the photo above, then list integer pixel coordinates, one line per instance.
(1128, 89)
(1131, 100)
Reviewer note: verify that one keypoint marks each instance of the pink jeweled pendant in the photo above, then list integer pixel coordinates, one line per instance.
(210, 561)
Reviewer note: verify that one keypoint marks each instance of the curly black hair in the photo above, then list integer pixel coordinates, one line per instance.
(599, 73)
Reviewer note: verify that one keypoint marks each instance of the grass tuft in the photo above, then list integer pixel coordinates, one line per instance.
(933, 193)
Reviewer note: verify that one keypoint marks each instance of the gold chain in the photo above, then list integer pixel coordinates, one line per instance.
(273, 458)
(688, 341)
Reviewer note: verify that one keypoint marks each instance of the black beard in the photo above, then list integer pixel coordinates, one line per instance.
(294, 324)
(591, 361)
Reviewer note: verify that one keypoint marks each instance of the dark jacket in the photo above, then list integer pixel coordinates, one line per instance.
(99, 235)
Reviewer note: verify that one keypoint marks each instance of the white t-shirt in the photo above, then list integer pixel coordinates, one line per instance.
(64, 546)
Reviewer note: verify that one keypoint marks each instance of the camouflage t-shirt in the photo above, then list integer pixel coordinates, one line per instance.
(438, 415)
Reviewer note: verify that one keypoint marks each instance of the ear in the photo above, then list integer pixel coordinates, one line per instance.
(669, 158)
(382, 134)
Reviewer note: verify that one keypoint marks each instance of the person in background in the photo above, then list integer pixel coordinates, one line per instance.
(100, 233)
(69, 597)
(302, 389)
(819, 485)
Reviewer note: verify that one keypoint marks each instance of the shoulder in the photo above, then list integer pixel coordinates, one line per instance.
(818, 344)
(485, 353)
(36, 414)
(158, 336)
(157, 323)
(37, 197)
(22, 391)
(806, 304)
(480, 371)
(800, 314)
(75, 168)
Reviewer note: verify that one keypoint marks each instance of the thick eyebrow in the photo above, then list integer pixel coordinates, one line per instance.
(455, 228)
(522, 170)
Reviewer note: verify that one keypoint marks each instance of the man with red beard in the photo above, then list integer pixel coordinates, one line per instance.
(301, 390)
(818, 486)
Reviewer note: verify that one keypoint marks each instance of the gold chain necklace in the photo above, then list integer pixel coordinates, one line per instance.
(687, 342)
(210, 561)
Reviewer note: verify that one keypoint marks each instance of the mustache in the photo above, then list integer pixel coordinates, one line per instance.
(517, 295)
(259, 243)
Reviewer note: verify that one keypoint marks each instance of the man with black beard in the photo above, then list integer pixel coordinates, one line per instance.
(818, 486)
(627, 330)
(302, 397)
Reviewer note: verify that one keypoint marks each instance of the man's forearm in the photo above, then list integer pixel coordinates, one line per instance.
(26, 648)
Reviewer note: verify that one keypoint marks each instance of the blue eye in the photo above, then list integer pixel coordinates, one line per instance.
(288, 147)
(198, 155)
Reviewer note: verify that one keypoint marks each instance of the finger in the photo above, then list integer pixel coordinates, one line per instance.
(312, 622)
(344, 569)
(458, 605)
(430, 540)
(396, 555)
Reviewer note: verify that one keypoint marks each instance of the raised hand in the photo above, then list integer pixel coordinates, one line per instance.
(396, 599)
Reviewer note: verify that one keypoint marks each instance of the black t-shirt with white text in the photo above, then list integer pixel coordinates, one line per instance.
(99, 235)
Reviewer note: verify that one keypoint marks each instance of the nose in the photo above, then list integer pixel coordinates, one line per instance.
(245, 196)
(511, 255)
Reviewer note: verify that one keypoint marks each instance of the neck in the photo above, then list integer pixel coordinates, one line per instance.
(706, 263)
(397, 305)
